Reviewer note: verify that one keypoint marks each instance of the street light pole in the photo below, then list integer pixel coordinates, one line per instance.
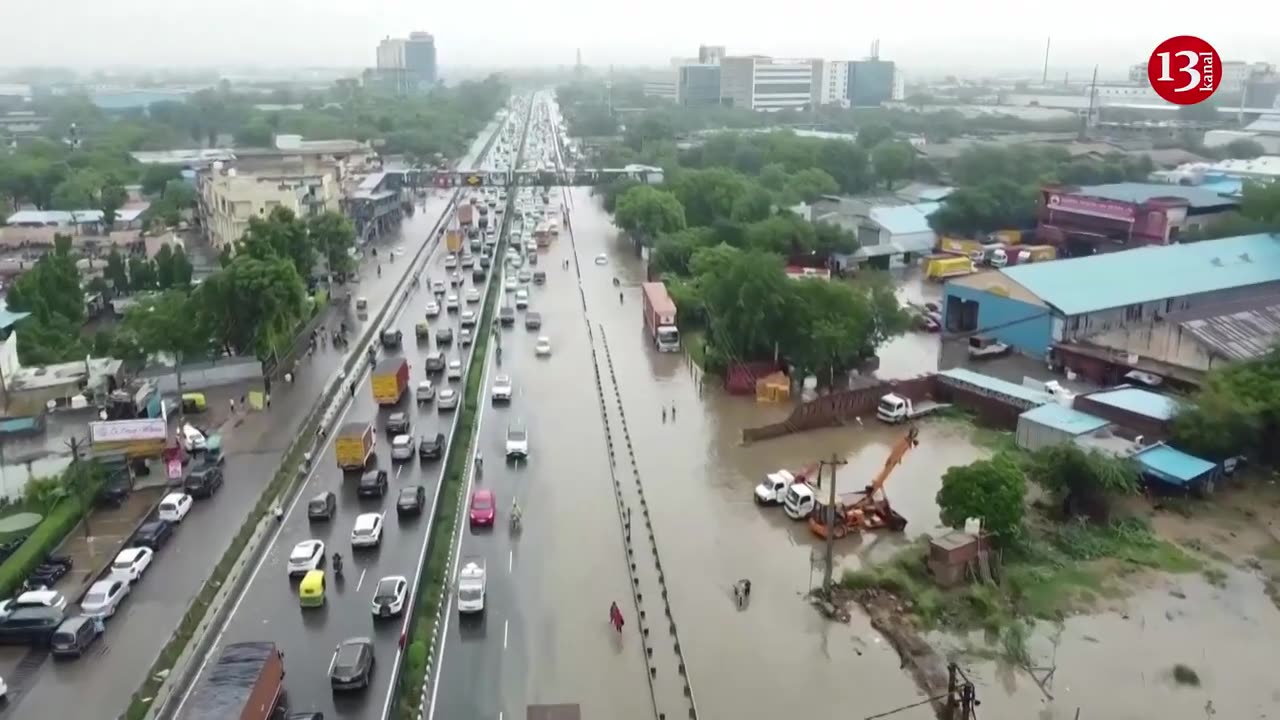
(829, 567)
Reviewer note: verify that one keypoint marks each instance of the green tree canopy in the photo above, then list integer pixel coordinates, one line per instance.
(648, 213)
(990, 490)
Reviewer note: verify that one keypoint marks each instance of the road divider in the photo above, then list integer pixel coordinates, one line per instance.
(423, 628)
(179, 661)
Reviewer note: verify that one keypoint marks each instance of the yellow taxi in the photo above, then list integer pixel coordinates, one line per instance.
(311, 589)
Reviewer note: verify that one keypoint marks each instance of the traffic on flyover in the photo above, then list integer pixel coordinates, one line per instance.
(270, 607)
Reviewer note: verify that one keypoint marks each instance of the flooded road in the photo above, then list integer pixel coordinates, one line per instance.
(699, 482)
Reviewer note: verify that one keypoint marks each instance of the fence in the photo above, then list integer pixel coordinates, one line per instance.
(836, 407)
(198, 376)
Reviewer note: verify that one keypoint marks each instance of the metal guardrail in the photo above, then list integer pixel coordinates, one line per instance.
(333, 397)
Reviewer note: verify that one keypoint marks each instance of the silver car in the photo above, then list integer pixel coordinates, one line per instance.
(104, 597)
(402, 447)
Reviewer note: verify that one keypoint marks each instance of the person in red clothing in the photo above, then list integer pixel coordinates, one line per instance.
(615, 617)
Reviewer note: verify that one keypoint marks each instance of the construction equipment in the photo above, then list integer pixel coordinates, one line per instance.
(867, 510)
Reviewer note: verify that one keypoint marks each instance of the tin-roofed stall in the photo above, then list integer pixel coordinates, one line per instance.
(1054, 424)
(1178, 470)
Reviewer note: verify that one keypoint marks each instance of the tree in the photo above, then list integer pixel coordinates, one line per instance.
(993, 205)
(110, 199)
(1083, 482)
(156, 177)
(753, 205)
(784, 234)
(251, 305)
(707, 195)
(164, 267)
(182, 269)
(333, 236)
(874, 135)
(255, 134)
(829, 239)
(142, 274)
(1236, 412)
(281, 234)
(811, 184)
(672, 253)
(847, 163)
(79, 191)
(164, 325)
(647, 213)
(1201, 112)
(990, 490)
(116, 271)
(81, 480)
(892, 162)
(1245, 149)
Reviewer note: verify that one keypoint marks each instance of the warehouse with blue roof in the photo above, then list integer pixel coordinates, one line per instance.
(1166, 310)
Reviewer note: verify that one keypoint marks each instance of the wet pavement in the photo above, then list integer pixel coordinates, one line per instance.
(269, 607)
(254, 448)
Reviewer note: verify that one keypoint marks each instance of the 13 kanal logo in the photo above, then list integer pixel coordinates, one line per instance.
(1184, 70)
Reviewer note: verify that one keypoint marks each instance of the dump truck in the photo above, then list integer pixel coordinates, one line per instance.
(390, 380)
(466, 211)
(354, 446)
(941, 267)
(246, 683)
(660, 317)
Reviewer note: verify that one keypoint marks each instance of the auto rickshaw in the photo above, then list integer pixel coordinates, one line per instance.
(194, 402)
(213, 449)
(311, 589)
(422, 330)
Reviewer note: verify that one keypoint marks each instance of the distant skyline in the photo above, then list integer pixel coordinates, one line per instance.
(86, 35)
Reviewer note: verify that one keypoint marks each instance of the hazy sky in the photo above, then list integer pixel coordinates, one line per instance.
(932, 34)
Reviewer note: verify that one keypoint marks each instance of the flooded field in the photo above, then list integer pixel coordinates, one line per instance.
(698, 477)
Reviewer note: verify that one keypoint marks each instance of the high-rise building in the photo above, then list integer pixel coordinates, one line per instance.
(833, 88)
(710, 54)
(407, 64)
(698, 84)
(767, 84)
(870, 82)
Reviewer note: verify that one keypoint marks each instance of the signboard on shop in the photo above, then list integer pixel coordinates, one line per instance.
(146, 436)
(1096, 207)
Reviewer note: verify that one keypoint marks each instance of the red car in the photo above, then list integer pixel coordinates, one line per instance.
(483, 507)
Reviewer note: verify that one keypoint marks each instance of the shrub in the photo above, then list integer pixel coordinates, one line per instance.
(47, 535)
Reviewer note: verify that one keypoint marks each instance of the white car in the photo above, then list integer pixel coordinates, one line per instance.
(104, 597)
(174, 507)
(447, 399)
(468, 319)
(511, 283)
(192, 439)
(502, 390)
(602, 259)
(454, 370)
(525, 277)
(40, 598)
(425, 392)
(465, 337)
(131, 563)
(471, 585)
(389, 596)
(437, 288)
(451, 302)
(522, 299)
(472, 296)
(543, 347)
(450, 261)
(367, 531)
(531, 246)
(306, 556)
(402, 447)
(433, 308)
(517, 441)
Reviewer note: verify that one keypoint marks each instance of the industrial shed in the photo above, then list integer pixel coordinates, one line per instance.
(1177, 470)
(1054, 424)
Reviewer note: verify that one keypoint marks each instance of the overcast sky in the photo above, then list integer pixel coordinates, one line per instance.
(925, 34)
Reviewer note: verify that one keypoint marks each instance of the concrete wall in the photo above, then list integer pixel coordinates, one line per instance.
(198, 376)
(1166, 342)
(1025, 327)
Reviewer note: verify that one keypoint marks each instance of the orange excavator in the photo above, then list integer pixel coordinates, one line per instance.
(869, 509)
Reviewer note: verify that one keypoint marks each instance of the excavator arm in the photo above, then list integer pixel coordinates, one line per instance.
(900, 448)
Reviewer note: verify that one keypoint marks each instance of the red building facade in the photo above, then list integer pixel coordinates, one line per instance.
(1079, 224)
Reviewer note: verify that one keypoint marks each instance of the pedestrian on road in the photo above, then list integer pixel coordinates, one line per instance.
(99, 626)
(353, 388)
(664, 414)
(615, 617)
(268, 399)
(278, 511)
(233, 405)
(673, 412)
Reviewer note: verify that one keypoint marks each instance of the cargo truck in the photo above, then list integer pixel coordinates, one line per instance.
(354, 446)
(941, 267)
(246, 683)
(660, 317)
(390, 380)
(453, 240)
(466, 212)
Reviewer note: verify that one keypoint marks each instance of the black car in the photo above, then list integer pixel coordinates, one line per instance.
(507, 315)
(352, 664)
(31, 625)
(372, 484)
(153, 534)
(485, 261)
(431, 448)
(411, 500)
(397, 424)
(115, 491)
(477, 275)
(444, 336)
(204, 481)
(322, 506)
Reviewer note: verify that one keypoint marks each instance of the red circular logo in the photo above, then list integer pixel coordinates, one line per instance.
(1184, 70)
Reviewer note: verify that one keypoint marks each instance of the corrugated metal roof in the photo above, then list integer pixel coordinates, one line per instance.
(1082, 285)
(1139, 401)
(995, 384)
(72, 217)
(1172, 465)
(905, 219)
(1142, 192)
(1242, 335)
(371, 182)
(1066, 419)
(1265, 124)
(8, 317)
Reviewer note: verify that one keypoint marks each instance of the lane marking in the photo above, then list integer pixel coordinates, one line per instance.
(398, 469)
(506, 626)
(511, 559)
(361, 580)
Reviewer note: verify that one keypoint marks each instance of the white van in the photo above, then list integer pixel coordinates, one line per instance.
(192, 439)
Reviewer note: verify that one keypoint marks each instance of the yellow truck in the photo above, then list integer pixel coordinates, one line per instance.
(390, 380)
(453, 240)
(941, 267)
(354, 445)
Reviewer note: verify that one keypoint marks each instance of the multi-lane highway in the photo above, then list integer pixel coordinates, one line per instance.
(544, 636)
(253, 446)
(269, 606)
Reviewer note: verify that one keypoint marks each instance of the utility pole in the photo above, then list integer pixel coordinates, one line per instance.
(829, 566)
(82, 483)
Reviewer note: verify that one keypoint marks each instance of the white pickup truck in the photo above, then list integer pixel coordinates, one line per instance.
(471, 586)
(895, 409)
